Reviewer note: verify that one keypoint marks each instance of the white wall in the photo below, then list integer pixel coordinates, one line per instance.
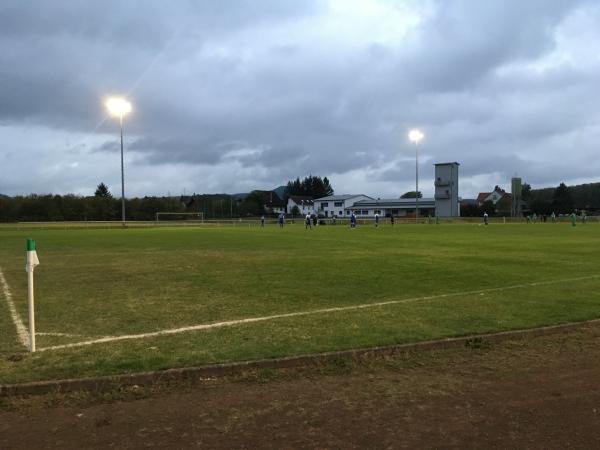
(331, 210)
(306, 208)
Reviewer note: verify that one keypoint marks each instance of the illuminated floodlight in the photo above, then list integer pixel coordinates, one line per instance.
(118, 106)
(415, 135)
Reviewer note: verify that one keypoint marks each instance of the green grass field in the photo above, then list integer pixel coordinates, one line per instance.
(94, 283)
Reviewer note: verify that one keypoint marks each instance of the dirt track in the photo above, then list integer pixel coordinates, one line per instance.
(542, 393)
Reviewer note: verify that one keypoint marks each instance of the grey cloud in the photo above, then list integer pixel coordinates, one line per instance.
(211, 86)
(465, 40)
(176, 149)
(140, 22)
(399, 172)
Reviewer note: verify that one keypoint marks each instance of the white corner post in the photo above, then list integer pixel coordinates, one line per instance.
(32, 261)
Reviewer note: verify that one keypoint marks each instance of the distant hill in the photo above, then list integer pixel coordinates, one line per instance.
(280, 191)
(241, 195)
(586, 196)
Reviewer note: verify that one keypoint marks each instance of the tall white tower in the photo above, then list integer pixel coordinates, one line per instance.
(516, 193)
(446, 190)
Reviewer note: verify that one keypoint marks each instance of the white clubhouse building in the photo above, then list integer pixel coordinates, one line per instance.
(444, 204)
(397, 207)
(337, 205)
(305, 204)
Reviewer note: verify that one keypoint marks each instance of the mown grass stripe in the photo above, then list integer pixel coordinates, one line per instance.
(228, 323)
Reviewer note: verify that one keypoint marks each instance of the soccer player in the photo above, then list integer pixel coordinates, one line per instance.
(262, 221)
(573, 219)
(307, 223)
(376, 220)
(485, 218)
(280, 220)
(352, 220)
(392, 219)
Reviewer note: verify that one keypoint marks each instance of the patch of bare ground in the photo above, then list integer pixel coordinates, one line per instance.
(538, 393)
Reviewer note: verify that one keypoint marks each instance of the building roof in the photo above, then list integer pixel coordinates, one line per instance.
(482, 196)
(339, 197)
(393, 203)
(447, 163)
(301, 198)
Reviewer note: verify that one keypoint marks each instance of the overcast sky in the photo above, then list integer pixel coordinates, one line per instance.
(234, 95)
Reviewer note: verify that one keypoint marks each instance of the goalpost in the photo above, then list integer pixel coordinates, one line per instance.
(195, 216)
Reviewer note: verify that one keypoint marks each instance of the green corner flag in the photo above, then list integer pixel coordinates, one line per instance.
(32, 259)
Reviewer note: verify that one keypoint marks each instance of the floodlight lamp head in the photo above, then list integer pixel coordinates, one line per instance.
(118, 107)
(415, 135)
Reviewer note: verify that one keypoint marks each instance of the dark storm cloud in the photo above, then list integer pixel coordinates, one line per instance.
(286, 88)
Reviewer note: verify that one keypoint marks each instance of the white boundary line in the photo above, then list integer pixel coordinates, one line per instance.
(22, 332)
(50, 333)
(302, 313)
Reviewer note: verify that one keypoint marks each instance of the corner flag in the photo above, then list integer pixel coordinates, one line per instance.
(32, 261)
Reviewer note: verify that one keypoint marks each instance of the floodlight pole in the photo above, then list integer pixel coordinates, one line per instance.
(416, 181)
(122, 176)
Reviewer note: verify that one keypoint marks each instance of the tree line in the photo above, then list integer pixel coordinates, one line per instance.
(561, 199)
(104, 206)
(51, 208)
(565, 199)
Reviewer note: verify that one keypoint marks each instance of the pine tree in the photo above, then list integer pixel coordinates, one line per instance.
(102, 191)
(312, 186)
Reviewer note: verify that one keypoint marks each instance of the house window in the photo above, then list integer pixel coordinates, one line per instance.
(347, 213)
(324, 205)
(377, 211)
(338, 204)
(341, 213)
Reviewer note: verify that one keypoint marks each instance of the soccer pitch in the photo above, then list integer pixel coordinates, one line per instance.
(114, 301)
